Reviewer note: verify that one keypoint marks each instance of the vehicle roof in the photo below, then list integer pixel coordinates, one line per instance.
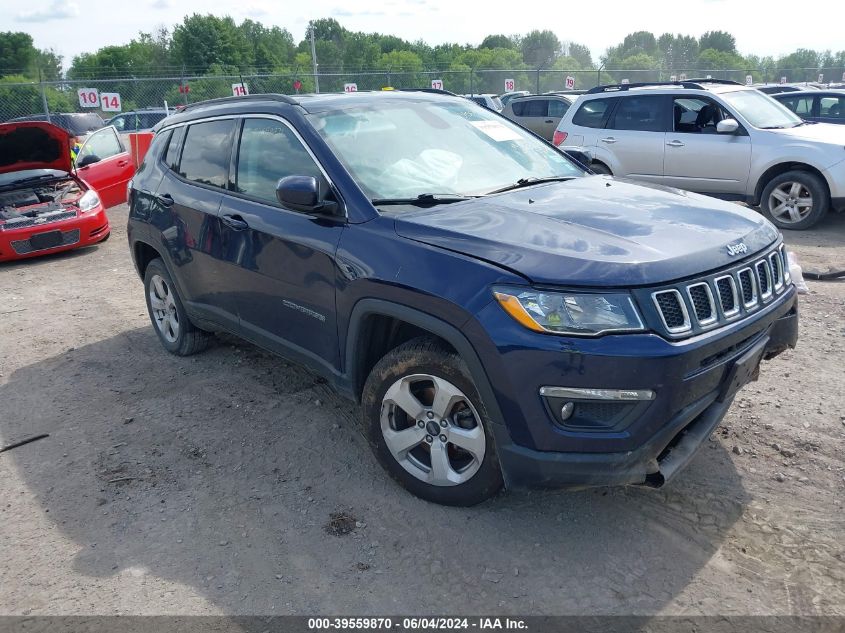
(837, 92)
(308, 103)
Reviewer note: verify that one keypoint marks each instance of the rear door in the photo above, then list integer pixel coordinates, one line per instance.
(110, 173)
(280, 263)
(557, 109)
(532, 114)
(633, 141)
(187, 203)
(698, 158)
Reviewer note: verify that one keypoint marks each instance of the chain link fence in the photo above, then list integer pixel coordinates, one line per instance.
(33, 98)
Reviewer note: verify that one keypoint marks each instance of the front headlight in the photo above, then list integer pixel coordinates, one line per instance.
(89, 200)
(570, 312)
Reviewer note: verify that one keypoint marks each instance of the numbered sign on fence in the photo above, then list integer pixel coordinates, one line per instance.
(89, 97)
(749, 80)
(783, 80)
(110, 102)
(510, 85)
(569, 83)
(626, 81)
(437, 84)
(673, 77)
(683, 77)
(821, 78)
(240, 90)
(350, 87)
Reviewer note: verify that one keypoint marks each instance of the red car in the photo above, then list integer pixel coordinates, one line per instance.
(47, 205)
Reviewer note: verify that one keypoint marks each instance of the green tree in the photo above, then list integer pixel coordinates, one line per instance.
(497, 41)
(17, 53)
(202, 41)
(581, 54)
(718, 40)
(540, 48)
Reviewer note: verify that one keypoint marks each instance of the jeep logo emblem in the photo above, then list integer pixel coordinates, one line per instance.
(736, 249)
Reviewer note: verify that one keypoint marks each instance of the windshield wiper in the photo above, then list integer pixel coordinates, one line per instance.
(423, 199)
(527, 182)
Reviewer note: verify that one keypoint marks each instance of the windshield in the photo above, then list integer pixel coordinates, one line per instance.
(403, 149)
(761, 110)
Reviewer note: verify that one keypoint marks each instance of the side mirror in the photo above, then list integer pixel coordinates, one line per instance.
(578, 154)
(727, 126)
(302, 193)
(88, 159)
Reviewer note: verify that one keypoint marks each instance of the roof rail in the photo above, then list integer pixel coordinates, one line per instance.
(709, 80)
(694, 84)
(255, 97)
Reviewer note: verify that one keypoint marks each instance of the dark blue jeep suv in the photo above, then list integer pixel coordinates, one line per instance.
(502, 315)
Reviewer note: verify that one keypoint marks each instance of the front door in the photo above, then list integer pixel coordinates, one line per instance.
(700, 159)
(109, 174)
(281, 262)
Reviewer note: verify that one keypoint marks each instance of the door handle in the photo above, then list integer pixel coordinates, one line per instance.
(674, 144)
(165, 200)
(122, 163)
(549, 120)
(235, 222)
(609, 139)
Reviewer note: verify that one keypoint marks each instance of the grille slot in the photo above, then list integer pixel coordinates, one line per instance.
(749, 289)
(776, 264)
(702, 303)
(726, 286)
(764, 278)
(47, 218)
(672, 310)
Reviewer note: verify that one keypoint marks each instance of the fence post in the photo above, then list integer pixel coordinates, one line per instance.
(471, 89)
(43, 96)
(538, 81)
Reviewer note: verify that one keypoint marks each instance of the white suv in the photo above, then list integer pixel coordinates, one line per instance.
(714, 137)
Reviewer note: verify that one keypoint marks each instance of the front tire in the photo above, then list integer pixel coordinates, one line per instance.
(170, 321)
(795, 200)
(427, 426)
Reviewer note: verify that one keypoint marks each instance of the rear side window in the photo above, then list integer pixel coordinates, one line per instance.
(641, 113)
(171, 155)
(799, 105)
(592, 113)
(268, 151)
(557, 108)
(530, 107)
(205, 156)
(832, 107)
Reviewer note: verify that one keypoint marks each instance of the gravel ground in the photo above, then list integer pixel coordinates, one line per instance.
(235, 483)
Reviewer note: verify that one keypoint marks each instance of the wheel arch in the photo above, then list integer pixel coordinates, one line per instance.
(782, 168)
(369, 315)
(143, 253)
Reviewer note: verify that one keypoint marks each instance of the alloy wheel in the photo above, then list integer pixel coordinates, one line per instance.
(790, 202)
(432, 430)
(163, 306)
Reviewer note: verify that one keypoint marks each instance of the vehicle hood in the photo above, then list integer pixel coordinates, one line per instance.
(594, 231)
(33, 145)
(820, 132)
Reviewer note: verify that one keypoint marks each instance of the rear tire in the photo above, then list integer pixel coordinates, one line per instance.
(795, 200)
(170, 321)
(600, 168)
(427, 426)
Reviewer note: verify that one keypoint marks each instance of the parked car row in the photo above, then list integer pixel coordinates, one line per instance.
(719, 138)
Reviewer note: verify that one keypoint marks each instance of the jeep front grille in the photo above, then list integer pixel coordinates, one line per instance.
(714, 300)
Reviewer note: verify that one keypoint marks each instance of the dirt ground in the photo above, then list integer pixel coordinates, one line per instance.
(207, 485)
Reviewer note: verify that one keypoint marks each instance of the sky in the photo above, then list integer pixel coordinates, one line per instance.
(75, 26)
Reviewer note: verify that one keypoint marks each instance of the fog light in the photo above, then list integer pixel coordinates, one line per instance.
(566, 410)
